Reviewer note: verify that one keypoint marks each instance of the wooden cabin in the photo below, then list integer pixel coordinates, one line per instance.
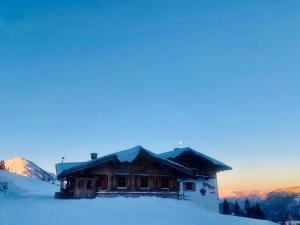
(137, 172)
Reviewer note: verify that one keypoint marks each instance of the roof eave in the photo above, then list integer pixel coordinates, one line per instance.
(85, 166)
(224, 168)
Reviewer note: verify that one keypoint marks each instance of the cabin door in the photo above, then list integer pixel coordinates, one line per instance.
(85, 188)
(81, 188)
(90, 188)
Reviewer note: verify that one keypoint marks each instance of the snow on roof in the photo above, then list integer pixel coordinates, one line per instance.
(60, 167)
(123, 156)
(178, 151)
(128, 155)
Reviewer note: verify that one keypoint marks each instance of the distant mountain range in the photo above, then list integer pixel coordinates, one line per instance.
(27, 168)
(281, 202)
(239, 196)
(276, 204)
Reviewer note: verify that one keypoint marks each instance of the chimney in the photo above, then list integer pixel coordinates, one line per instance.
(94, 155)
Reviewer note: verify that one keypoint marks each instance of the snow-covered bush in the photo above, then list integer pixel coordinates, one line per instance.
(3, 186)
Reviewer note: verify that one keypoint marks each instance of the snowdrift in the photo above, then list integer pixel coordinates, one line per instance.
(21, 186)
(115, 211)
(33, 204)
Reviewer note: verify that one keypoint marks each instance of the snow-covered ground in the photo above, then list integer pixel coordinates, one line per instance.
(21, 186)
(30, 202)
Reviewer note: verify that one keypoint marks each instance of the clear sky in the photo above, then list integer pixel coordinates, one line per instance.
(223, 77)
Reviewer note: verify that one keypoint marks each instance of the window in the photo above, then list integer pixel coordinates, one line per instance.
(189, 186)
(80, 184)
(122, 182)
(99, 183)
(64, 184)
(90, 185)
(144, 182)
(164, 182)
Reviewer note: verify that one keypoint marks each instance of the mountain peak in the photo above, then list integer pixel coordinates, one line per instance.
(291, 190)
(242, 195)
(24, 167)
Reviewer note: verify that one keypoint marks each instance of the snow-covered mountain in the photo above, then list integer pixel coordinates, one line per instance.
(289, 190)
(281, 202)
(276, 204)
(12, 184)
(255, 196)
(258, 196)
(27, 168)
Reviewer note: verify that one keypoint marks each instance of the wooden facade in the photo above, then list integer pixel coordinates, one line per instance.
(146, 175)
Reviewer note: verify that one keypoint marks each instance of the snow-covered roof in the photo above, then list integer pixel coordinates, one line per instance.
(128, 155)
(60, 167)
(178, 151)
(125, 156)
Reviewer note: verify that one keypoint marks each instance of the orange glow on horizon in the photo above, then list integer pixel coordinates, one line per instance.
(257, 180)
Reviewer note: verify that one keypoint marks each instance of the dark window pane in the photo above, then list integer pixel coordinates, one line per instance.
(122, 182)
(90, 184)
(165, 182)
(189, 186)
(80, 184)
(144, 182)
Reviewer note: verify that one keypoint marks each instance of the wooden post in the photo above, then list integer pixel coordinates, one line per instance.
(61, 185)
(133, 185)
(151, 183)
(109, 182)
(128, 180)
(84, 194)
(76, 187)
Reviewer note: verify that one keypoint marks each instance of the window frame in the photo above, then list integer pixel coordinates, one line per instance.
(145, 179)
(165, 180)
(192, 187)
(122, 182)
(90, 185)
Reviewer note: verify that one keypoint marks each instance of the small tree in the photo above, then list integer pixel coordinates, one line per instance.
(247, 210)
(259, 214)
(237, 209)
(3, 186)
(2, 165)
(225, 207)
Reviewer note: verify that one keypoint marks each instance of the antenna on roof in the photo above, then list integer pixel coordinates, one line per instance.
(62, 159)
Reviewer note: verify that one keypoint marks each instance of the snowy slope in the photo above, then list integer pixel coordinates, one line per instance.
(27, 168)
(20, 186)
(113, 211)
(30, 207)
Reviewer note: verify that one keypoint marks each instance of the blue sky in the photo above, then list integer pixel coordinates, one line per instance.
(100, 76)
